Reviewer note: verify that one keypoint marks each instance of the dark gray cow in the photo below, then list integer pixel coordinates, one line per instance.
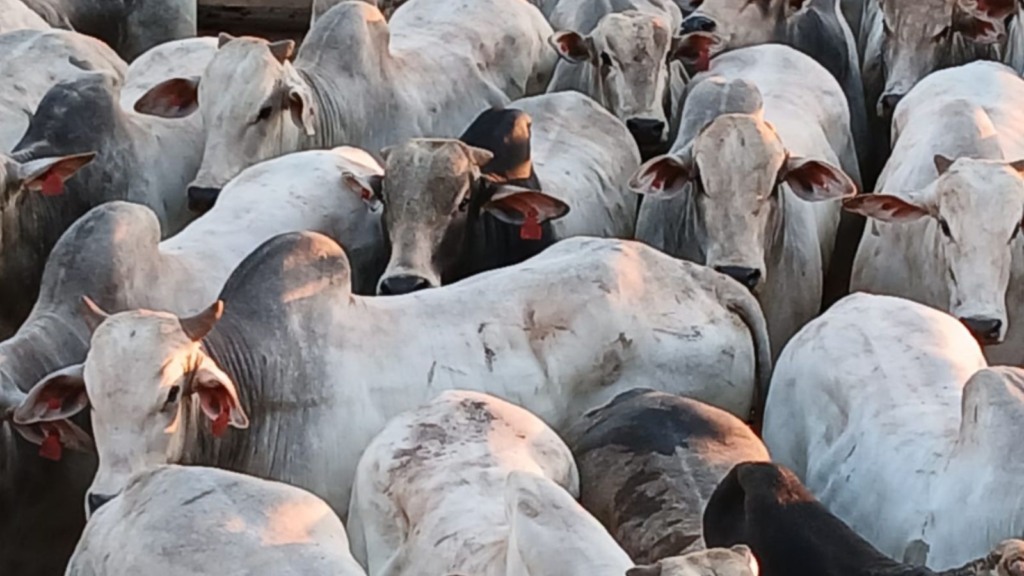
(141, 159)
(649, 462)
(129, 26)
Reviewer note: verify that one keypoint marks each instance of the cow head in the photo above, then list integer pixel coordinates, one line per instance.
(255, 107)
(433, 192)
(739, 23)
(1008, 558)
(921, 36)
(976, 208)
(735, 561)
(733, 172)
(628, 54)
(145, 377)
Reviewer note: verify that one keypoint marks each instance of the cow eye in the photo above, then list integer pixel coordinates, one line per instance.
(265, 113)
(944, 226)
(606, 60)
(172, 396)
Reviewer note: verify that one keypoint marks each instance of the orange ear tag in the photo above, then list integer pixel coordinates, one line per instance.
(220, 425)
(51, 448)
(52, 185)
(530, 230)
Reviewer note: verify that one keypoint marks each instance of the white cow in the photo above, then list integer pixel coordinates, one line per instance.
(946, 222)
(735, 561)
(764, 146)
(193, 521)
(620, 54)
(31, 61)
(322, 370)
(15, 15)
(472, 484)
(361, 81)
(887, 401)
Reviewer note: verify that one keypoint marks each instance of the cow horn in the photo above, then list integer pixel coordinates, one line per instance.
(198, 326)
(93, 314)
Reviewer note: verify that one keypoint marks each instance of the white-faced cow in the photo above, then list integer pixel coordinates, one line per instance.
(112, 253)
(648, 463)
(815, 27)
(296, 357)
(129, 26)
(31, 61)
(750, 188)
(517, 180)
(193, 521)
(620, 54)
(471, 484)
(765, 506)
(887, 400)
(361, 81)
(945, 224)
(735, 561)
(138, 158)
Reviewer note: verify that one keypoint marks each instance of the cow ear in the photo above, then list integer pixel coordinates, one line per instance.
(573, 47)
(479, 156)
(942, 163)
(664, 176)
(885, 207)
(695, 49)
(645, 570)
(218, 398)
(366, 187)
(982, 21)
(815, 181)
(744, 551)
(523, 206)
(223, 38)
(174, 98)
(299, 100)
(58, 396)
(282, 50)
(49, 174)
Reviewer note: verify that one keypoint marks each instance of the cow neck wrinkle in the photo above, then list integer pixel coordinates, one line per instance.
(328, 116)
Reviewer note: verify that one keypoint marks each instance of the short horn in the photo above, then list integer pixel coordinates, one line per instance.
(93, 314)
(198, 326)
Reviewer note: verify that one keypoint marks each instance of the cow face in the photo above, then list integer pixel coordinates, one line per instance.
(738, 23)
(735, 561)
(1009, 557)
(628, 54)
(921, 36)
(145, 377)
(976, 208)
(733, 172)
(255, 107)
(432, 194)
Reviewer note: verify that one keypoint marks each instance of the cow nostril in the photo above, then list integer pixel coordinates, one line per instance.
(887, 103)
(96, 501)
(984, 330)
(749, 277)
(201, 199)
(698, 23)
(402, 284)
(646, 130)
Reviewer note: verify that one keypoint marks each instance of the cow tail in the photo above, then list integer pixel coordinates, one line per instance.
(744, 305)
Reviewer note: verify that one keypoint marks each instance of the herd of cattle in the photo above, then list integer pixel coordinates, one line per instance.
(513, 288)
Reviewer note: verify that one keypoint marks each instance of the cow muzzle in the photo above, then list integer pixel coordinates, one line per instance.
(646, 131)
(986, 331)
(697, 23)
(402, 284)
(202, 199)
(887, 104)
(94, 502)
(749, 277)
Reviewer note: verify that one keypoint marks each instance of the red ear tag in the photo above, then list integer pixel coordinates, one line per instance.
(530, 230)
(51, 448)
(221, 423)
(52, 185)
(704, 60)
(53, 403)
